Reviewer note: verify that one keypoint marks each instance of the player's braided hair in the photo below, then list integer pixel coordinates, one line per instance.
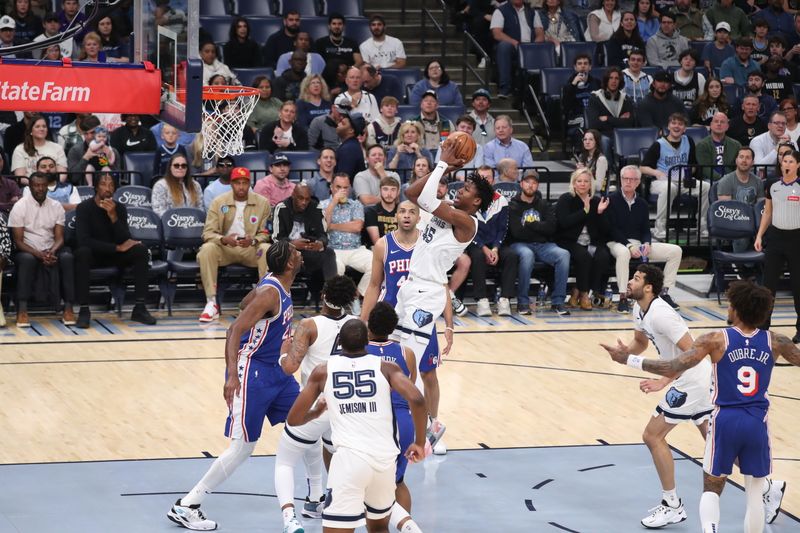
(339, 292)
(382, 320)
(752, 303)
(484, 188)
(278, 256)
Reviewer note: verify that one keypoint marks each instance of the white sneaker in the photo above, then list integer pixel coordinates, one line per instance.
(663, 515)
(772, 500)
(659, 234)
(210, 313)
(482, 63)
(483, 307)
(440, 448)
(458, 306)
(503, 307)
(293, 526)
(190, 517)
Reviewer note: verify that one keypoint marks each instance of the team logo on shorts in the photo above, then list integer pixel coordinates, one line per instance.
(422, 317)
(675, 398)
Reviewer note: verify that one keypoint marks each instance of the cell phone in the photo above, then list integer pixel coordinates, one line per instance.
(309, 238)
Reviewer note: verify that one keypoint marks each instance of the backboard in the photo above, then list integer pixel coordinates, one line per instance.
(166, 33)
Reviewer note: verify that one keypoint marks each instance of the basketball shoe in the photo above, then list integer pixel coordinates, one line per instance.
(313, 509)
(190, 517)
(662, 515)
(210, 312)
(293, 526)
(772, 499)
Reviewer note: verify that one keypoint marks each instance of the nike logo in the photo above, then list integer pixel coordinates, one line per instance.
(393, 252)
(129, 143)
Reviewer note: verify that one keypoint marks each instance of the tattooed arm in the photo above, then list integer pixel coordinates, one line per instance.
(304, 336)
(706, 344)
(783, 345)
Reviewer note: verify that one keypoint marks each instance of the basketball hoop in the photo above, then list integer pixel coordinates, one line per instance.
(226, 109)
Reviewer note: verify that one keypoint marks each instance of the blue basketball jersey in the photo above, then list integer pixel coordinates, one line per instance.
(396, 262)
(741, 377)
(392, 352)
(263, 341)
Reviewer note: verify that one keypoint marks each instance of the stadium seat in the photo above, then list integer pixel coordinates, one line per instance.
(255, 8)
(570, 50)
(85, 192)
(533, 57)
(408, 77)
(145, 226)
(553, 80)
(730, 220)
(507, 189)
(306, 8)
(141, 162)
(183, 229)
(357, 29)
(698, 47)
(452, 188)
(346, 8)
(218, 27)
(247, 75)
(262, 27)
(134, 196)
(407, 112)
(213, 8)
(451, 111)
(628, 142)
(304, 164)
(697, 133)
(254, 160)
(317, 27)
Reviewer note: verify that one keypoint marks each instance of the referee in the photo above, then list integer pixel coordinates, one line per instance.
(782, 243)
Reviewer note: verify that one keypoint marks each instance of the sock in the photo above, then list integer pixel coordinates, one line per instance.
(754, 515)
(398, 514)
(288, 514)
(671, 497)
(220, 470)
(212, 300)
(709, 512)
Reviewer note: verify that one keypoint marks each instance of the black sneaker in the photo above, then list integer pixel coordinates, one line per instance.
(523, 309)
(141, 314)
(559, 309)
(667, 298)
(623, 306)
(84, 318)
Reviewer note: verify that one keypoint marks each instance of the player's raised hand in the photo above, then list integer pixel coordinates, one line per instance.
(618, 353)
(448, 155)
(415, 453)
(232, 386)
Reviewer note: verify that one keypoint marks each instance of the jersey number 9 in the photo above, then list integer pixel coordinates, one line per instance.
(748, 381)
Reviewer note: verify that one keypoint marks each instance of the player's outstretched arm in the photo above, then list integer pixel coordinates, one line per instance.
(703, 346)
(783, 345)
(399, 382)
(301, 411)
(375, 280)
(304, 336)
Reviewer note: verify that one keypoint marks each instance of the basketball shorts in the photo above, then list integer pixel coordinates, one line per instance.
(357, 491)
(738, 433)
(265, 392)
(419, 304)
(310, 433)
(686, 401)
(430, 358)
(405, 430)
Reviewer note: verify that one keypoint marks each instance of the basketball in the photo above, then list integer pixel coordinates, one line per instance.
(463, 144)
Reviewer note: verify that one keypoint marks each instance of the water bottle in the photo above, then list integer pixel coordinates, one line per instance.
(609, 295)
(644, 258)
(542, 294)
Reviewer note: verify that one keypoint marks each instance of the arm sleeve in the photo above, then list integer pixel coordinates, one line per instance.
(427, 198)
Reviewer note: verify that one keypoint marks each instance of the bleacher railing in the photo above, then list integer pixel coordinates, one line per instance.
(441, 28)
(469, 41)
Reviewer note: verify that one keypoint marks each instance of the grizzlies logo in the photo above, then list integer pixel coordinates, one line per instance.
(675, 398)
(422, 317)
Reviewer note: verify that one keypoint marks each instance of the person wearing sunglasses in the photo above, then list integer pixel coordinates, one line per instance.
(177, 188)
(222, 184)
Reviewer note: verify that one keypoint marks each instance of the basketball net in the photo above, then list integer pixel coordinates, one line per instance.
(225, 112)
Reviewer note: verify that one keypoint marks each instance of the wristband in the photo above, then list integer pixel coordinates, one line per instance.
(281, 358)
(635, 361)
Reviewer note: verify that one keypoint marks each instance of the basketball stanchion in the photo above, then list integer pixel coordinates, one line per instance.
(226, 109)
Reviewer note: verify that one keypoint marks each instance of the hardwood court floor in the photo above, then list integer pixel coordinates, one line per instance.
(124, 391)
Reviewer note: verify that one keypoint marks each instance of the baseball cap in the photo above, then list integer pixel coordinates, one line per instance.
(7, 22)
(280, 159)
(343, 103)
(723, 26)
(240, 173)
(662, 75)
(430, 92)
(358, 123)
(482, 92)
(531, 175)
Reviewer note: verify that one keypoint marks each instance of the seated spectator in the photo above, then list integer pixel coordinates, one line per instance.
(267, 107)
(422, 167)
(90, 49)
(322, 131)
(778, 20)
(777, 82)
(583, 232)
(760, 52)
(407, 148)
(44, 266)
(513, 23)
(793, 42)
(576, 93)
(367, 184)
(507, 174)
(608, 106)
(282, 41)
(104, 239)
(336, 46)
(28, 25)
(320, 182)
(34, 147)
(591, 158)
(727, 12)
(349, 155)
(716, 154)
(635, 81)
(67, 136)
(602, 23)
(62, 192)
(689, 21)
(284, 134)
(718, 50)
(436, 79)
(765, 146)
(688, 84)
(71, 15)
(629, 226)
(169, 147)
(345, 221)
(466, 124)
(381, 218)
(555, 24)
(51, 26)
(531, 228)
(315, 64)
(623, 41)
(335, 75)
(755, 87)
(747, 125)
(91, 155)
(660, 104)
(386, 129)
(742, 185)
(672, 150)
(789, 108)
(381, 50)
(505, 145)
(314, 101)
(646, 18)
(112, 44)
(132, 137)
(359, 100)
(710, 102)
(184, 138)
(287, 85)
(234, 233)
(276, 186)
(735, 70)
(241, 51)
(299, 220)
(484, 121)
(222, 184)
(8, 37)
(101, 156)
(435, 127)
(9, 191)
(177, 188)
(381, 85)
(663, 47)
(5, 258)
(15, 131)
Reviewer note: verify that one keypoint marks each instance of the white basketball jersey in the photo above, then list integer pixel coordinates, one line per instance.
(665, 328)
(327, 344)
(436, 251)
(360, 406)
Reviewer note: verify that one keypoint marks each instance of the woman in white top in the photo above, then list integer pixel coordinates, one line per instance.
(789, 108)
(177, 188)
(592, 158)
(34, 147)
(212, 65)
(602, 23)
